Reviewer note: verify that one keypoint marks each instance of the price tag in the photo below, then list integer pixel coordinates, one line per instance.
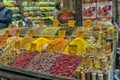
(17, 45)
(33, 47)
(88, 23)
(17, 32)
(72, 49)
(4, 42)
(41, 23)
(61, 34)
(71, 23)
(55, 23)
(81, 33)
(7, 32)
(51, 48)
(31, 33)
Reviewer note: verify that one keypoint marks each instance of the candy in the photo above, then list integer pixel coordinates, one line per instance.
(25, 40)
(81, 46)
(65, 65)
(23, 59)
(50, 32)
(24, 31)
(40, 43)
(59, 44)
(7, 57)
(13, 31)
(42, 62)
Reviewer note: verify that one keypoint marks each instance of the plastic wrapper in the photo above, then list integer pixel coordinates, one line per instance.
(50, 32)
(38, 31)
(24, 31)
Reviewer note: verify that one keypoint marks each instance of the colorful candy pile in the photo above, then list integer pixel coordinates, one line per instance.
(42, 62)
(65, 65)
(7, 57)
(23, 59)
(80, 43)
(40, 43)
(59, 43)
(25, 40)
(50, 31)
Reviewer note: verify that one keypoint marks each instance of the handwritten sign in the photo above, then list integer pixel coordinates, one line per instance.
(61, 34)
(55, 23)
(71, 23)
(72, 49)
(88, 23)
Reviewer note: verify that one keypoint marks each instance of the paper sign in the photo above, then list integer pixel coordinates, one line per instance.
(55, 23)
(61, 34)
(71, 23)
(41, 23)
(72, 49)
(17, 45)
(31, 33)
(88, 23)
(51, 48)
(33, 47)
(81, 33)
(17, 32)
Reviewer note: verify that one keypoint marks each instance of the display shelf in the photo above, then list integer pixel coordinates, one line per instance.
(112, 67)
(38, 8)
(29, 74)
(14, 7)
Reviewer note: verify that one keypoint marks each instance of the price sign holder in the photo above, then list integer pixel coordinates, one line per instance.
(71, 23)
(31, 33)
(41, 23)
(55, 23)
(51, 48)
(72, 50)
(33, 47)
(81, 33)
(88, 23)
(61, 33)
